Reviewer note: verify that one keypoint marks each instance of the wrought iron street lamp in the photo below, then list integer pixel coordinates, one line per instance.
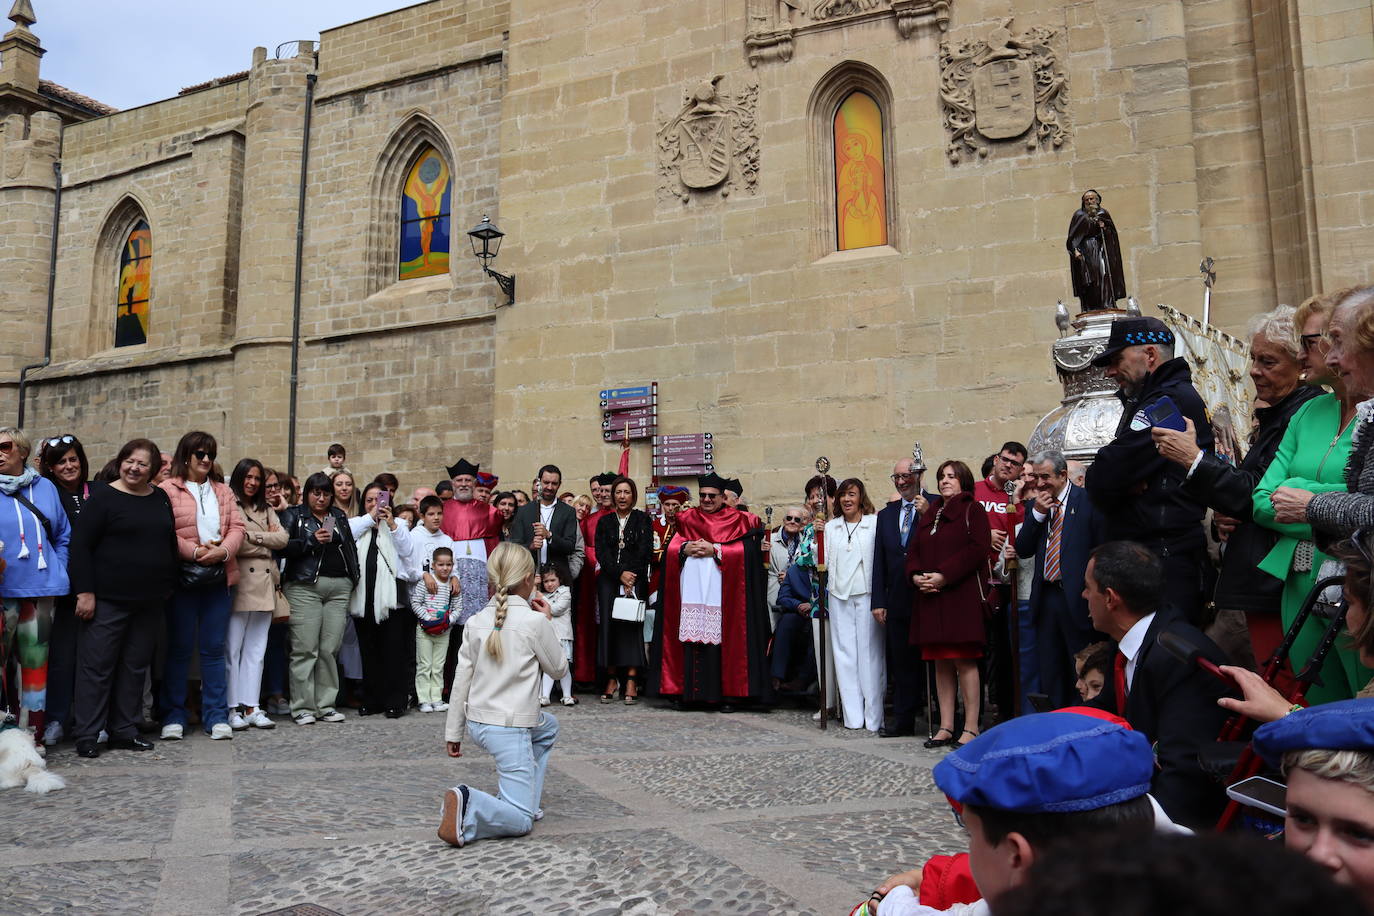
(486, 242)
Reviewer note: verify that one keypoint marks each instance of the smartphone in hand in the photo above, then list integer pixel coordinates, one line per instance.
(383, 498)
(329, 524)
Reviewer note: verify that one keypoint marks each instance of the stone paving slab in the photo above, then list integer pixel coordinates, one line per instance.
(134, 807)
(770, 779)
(109, 888)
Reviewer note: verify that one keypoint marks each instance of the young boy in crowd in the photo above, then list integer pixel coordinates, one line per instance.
(1093, 665)
(559, 597)
(436, 612)
(1020, 788)
(337, 455)
(426, 536)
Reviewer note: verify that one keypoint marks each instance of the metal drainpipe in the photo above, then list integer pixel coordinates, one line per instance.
(52, 285)
(296, 293)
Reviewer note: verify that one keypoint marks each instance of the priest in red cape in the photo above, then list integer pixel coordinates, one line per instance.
(585, 610)
(475, 527)
(711, 632)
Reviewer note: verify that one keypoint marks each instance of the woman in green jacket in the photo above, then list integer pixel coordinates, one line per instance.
(1310, 458)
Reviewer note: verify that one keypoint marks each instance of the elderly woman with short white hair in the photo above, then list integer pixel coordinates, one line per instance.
(33, 570)
(1276, 369)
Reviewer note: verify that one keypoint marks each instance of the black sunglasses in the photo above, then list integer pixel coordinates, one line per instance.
(59, 440)
(201, 454)
(793, 518)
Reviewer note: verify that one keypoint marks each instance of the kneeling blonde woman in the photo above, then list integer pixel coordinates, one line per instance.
(506, 647)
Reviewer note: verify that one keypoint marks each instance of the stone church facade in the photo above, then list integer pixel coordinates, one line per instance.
(822, 226)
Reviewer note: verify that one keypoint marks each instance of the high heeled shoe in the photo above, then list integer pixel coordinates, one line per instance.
(937, 741)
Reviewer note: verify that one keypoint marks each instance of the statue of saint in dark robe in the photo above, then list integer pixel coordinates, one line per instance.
(1095, 256)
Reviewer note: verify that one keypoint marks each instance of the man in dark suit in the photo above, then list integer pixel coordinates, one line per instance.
(547, 525)
(891, 596)
(1171, 702)
(1060, 532)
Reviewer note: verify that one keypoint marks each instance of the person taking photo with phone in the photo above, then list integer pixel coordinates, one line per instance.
(1138, 491)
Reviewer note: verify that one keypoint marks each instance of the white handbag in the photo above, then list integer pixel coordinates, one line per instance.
(630, 610)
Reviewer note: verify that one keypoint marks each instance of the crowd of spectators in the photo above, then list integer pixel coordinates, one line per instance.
(152, 594)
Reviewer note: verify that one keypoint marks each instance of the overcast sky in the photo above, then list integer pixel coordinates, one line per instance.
(129, 54)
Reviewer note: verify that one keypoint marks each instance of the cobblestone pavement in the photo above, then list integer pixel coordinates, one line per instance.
(649, 811)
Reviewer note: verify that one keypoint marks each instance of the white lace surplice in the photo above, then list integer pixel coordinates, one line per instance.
(700, 620)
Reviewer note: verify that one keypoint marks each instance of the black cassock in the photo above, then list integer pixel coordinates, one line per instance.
(1098, 280)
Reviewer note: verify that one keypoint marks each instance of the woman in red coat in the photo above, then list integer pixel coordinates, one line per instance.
(947, 562)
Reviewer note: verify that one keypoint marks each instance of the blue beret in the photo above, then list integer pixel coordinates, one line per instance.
(1347, 725)
(1049, 762)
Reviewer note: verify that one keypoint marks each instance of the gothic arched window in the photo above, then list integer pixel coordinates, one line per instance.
(135, 280)
(425, 223)
(860, 174)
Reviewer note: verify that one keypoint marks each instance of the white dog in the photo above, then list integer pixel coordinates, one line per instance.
(20, 762)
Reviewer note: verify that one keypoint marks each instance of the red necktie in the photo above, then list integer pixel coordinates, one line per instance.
(1120, 674)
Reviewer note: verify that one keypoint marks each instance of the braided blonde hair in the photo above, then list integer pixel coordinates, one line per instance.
(508, 566)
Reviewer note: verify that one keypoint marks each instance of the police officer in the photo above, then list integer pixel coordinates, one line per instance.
(1138, 491)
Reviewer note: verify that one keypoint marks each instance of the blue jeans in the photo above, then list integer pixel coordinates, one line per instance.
(192, 613)
(522, 757)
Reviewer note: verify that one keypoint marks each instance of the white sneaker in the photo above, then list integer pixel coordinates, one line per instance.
(221, 731)
(259, 719)
(570, 701)
(538, 815)
(440, 706)
(171, 732)
(426, 707)
(52, 734)
(305, 718)
(237, 722)
(333, 716)
(543, 701)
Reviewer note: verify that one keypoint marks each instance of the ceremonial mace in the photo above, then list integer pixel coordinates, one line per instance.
(1011, 564)
(823, 614)
(768, 538)
(918, 467)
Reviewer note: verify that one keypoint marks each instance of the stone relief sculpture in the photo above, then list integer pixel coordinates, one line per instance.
(1005, 87)
(772, 26)
(711, 143)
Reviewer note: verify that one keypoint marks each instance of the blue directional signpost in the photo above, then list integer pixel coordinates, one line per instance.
(629, 412)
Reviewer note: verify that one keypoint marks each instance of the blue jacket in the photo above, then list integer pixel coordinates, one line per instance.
(796, 589)
(23, 578)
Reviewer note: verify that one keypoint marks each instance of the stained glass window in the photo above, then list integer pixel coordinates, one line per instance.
(425, 220)
(860, 191)
(135, 274)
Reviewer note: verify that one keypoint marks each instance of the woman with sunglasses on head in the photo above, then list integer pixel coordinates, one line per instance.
(209, 534)
(62, 460)
(33, 571)
(124, 564)
(1311, 459)
(255, 595)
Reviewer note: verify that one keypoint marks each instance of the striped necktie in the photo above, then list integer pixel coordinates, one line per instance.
(906, 522)
(1052, 544)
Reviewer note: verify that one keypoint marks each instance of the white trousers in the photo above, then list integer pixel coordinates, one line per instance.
(860, 667)
(245, 646)
(829, 656)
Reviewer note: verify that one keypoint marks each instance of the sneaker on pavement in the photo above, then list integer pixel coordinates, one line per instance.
(440, 706)
(171, 732)
(451, 815)
(426, 707)
(221, 731)
(259, 719)
(278, 708)
(539, 815)
(333, 716)
(52, 734)
(570, 701)
(543, 701)
(305, 718)
(237, 722)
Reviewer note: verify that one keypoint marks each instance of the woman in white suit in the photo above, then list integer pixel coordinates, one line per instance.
(860, 668)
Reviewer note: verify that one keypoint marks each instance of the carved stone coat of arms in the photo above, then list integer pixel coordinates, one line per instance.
(712, 142)
(1006, 87)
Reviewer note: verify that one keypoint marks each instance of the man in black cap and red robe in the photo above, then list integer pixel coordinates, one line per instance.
(1139, 492)
(475, 528)
(711, 636)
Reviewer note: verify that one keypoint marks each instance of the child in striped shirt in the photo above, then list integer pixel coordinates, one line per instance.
(436, 613)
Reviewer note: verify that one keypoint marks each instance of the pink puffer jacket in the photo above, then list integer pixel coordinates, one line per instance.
(188, 536)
